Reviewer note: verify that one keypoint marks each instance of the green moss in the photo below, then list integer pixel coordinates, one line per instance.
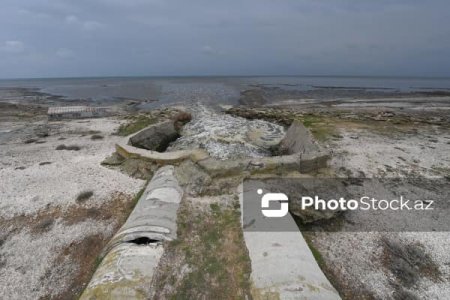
(138, 195)
(321, 128)
(310, 120)
(322, 133)
(215, 208)
(135, 124)
(440, 170)
(211, 244)
(317, 255)
(98, 261)
(106, 289)
(265, 294)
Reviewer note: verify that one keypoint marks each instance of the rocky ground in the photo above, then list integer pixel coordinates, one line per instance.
(61, 200)
(377, 269)
(59, 206)
(380, 142)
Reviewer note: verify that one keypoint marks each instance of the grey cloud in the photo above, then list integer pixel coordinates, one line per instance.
(86, 24)
(211, 50)
(176, 37)
(64, 53)
(12, 47)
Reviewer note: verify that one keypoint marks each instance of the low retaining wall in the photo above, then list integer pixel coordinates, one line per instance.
(162, 158)
(299, 152)
(301, 162)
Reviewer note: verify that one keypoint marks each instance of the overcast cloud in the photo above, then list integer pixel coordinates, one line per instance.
(53, 38)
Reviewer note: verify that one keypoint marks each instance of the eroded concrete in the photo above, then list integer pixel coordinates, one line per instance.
(131, 256)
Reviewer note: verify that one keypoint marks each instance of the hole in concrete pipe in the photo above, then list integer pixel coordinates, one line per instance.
(143, 241)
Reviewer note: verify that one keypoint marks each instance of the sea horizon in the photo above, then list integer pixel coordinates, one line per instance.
(225, 76)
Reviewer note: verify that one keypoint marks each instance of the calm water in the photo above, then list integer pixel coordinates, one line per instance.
(222, 89)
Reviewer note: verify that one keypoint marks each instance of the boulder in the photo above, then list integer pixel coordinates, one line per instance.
(298, 139)
(155, 137)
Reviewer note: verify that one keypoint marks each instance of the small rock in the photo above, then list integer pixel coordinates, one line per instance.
(29, 141)
(97, 137)
(41, 131)
(83, 196)
(113, 160)
(45, 225)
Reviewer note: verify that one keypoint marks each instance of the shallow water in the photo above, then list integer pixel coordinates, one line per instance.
(170, 90)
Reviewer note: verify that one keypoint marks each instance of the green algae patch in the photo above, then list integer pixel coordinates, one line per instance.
(104, 292)
(322, 128)
(264, 294)
(136, 123)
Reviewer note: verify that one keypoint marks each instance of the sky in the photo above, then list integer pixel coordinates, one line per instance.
(75, 38)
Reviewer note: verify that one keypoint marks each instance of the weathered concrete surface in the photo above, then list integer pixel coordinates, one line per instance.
(283, 266)
(125, 273)
(216, 167)
(303, 163)
(154, 216)
(312, 161)
(128, 151)
(130, 257)
(155, 137)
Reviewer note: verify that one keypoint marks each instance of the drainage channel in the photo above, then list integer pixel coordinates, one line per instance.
(130, 258)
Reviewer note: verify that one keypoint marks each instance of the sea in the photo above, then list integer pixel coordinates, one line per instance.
(157, 91)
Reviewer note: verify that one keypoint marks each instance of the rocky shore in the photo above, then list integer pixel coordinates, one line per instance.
(68, 186)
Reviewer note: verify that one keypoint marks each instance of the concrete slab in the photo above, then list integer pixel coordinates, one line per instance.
(283, 266)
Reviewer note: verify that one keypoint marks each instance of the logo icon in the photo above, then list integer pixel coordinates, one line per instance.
(274, 197)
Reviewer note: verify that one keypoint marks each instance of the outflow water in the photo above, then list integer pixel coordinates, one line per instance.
(226, 137)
